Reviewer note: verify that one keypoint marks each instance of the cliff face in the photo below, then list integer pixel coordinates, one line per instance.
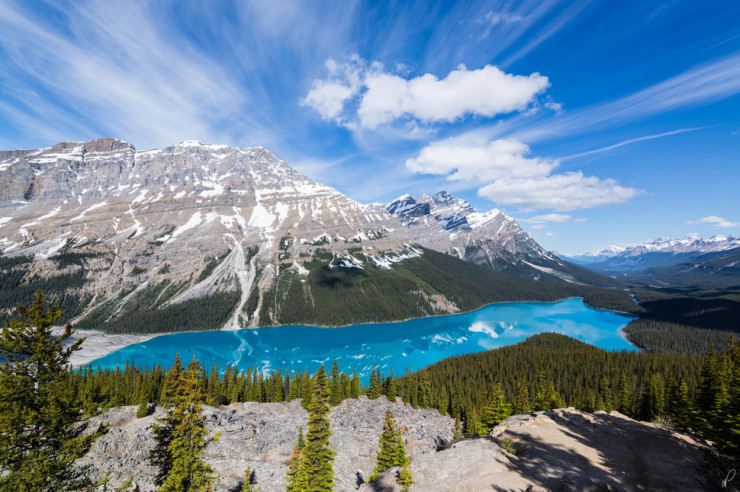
(560, 450)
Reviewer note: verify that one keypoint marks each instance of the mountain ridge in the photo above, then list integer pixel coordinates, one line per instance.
(204, 235)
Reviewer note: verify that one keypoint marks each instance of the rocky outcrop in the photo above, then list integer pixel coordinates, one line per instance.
(564, 449)
(262, 436)
(567, 450)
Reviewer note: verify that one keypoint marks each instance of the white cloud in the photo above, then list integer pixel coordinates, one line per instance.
(384, 97)
(715, 221)
(564, 191)
(510, 177)
(540, 221)
(552, 217)
(484, 162)
(327, 97)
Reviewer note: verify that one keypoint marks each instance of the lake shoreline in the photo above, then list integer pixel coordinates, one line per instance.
(99, 344)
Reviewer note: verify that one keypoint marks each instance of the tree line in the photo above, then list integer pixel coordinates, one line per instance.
(44, 404)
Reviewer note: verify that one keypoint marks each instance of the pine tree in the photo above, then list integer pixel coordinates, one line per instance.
(317, 456)
(188, 472)
(457, 431)
(521, 399)
(392, 453)
(40, 431)
(173, 387)
(494, 412)
(547, 396)
(142, 410)
(355, 386)
(682, 408)
(247, 482)
(375, 389)
(652, 400)
(296, 479)
(731, 440)
(624, 405)
(336, 391)
(605, 395)
(472, 423)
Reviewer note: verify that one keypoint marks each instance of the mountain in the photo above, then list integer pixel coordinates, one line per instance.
(656, 253)
(448, 224)
(715, 270)
(197, 236)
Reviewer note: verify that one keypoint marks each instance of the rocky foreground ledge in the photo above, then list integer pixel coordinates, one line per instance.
(565, 449)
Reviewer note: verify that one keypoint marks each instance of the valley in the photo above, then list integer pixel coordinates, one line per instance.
(315, 246)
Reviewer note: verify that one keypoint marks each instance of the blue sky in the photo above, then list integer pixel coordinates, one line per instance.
(593, 123)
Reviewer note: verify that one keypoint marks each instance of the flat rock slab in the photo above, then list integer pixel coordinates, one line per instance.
(565, 449)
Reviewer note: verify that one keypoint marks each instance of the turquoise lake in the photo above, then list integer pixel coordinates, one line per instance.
(395, 347)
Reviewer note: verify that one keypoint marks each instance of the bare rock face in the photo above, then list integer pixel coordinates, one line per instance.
(184, 222)
(262, 436)
(565, 449)
(446, 223)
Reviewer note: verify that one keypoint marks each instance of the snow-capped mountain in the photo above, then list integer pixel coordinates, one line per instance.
(689, 244)
(451, 225)
(207, 219)
(655, 253)
(203, 236)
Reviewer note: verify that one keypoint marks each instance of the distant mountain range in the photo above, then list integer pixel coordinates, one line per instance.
(205, 236)
(665, 262)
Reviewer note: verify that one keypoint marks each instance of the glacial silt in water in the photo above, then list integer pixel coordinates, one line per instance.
(395, 347)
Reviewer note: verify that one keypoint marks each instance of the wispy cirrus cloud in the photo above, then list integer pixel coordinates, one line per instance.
(109, 59)
(552, 27)
(630, 141)
(709, 82)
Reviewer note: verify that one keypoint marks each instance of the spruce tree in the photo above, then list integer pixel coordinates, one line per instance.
(297, 481)
(457, 434)
(173, 389)
(336, 389)
(247, 483)
(605, 395)
(392, 453)
(317, 456)
(521, 399)
(624, 404)
(494, 412)
(731, 440)
(188, 472)
(681, 406)
(142, 410)
(41, 435)
(375, 389)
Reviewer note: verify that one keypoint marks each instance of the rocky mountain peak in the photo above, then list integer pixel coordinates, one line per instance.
(447, 223)
(169, 215)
